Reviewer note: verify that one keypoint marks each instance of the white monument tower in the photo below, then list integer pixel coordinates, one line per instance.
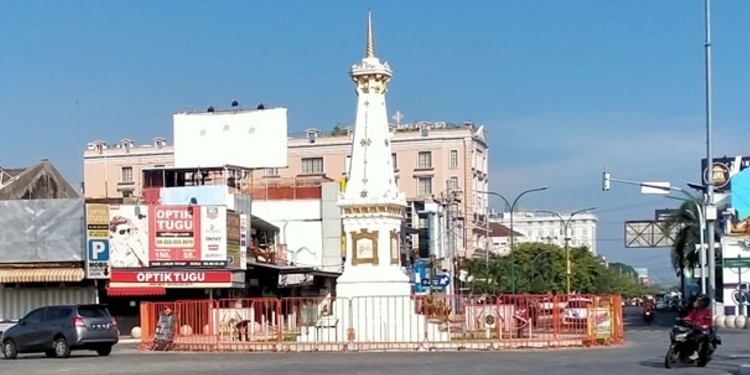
(373, 302)
(372, 206)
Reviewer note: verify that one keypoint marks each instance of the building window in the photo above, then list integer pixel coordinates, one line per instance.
(424, 185)
(127, 194)
(479, 160)
(126, 174)
(454, 158)
(312, 166)
(394, 161)
(453, 183)
(271, 172)
(425, 160)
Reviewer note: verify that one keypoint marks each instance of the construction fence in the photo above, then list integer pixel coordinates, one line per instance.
(433, 322)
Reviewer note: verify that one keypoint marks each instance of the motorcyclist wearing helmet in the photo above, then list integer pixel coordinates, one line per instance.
(701, 314)
(702, 317)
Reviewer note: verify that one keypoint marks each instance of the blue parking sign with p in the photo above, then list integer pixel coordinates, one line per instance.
(99, 250)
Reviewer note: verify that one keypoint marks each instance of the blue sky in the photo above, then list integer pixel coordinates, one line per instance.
(564, 87)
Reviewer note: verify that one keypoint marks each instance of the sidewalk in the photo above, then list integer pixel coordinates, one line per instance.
(127, 340)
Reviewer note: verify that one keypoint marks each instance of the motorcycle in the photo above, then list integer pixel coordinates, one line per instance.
(686, 339)
(648, 314)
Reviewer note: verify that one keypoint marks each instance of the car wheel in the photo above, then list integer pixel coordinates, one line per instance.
(62, 350)
(104, 350)
(9, 349)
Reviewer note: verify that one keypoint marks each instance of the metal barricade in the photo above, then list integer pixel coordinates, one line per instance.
(383, 323)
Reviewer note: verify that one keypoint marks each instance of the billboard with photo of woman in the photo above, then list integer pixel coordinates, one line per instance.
(128, 236)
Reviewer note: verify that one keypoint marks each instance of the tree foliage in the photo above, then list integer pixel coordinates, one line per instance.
(686, 223)
(541, 268)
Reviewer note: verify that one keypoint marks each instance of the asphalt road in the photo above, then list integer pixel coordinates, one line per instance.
(643, 354)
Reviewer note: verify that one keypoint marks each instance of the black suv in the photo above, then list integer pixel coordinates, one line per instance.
(56, 330)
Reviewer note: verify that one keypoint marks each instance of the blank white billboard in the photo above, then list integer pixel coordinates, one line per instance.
(243, 138)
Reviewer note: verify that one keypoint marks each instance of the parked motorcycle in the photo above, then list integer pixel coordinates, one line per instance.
(648, 314)
(687, 339)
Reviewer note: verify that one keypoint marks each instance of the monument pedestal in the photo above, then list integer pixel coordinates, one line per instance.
(374, 305)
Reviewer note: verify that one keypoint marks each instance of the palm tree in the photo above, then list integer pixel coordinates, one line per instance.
(686, 222)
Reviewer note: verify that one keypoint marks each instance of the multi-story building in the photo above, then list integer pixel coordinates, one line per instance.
(115, 171)
(546, 228)
(431, 161)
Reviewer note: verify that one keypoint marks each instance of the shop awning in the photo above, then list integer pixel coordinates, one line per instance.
(132, 292)
(286, 269)
(40, 275)
(258, 223)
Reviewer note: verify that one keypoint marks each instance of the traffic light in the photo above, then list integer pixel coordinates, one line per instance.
(606, 181)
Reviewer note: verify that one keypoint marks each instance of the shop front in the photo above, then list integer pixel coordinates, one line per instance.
(128, 288)
(42, 251)
(24, 288)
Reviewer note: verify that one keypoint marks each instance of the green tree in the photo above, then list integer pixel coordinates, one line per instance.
(686, 222)
(541, 268)
(338, 131)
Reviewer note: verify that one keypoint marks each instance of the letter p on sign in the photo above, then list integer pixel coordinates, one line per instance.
(99, 250)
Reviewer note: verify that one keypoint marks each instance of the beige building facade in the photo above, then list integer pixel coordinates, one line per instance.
(115, 170)
(432, 161)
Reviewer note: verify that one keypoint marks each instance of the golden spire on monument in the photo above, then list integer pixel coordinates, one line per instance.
(370, 49)
(371, 75)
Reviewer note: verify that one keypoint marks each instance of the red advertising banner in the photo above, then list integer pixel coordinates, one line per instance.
(176, 237)
(172, 279)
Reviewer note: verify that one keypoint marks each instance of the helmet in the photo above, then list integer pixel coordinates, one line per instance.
(702, 301)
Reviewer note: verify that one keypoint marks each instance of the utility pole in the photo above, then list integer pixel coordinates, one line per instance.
(710, 208)
(449, 200)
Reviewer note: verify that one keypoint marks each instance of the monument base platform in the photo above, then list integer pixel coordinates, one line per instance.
(377, 319)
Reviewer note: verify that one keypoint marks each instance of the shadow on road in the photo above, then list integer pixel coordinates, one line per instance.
(22, 357)
(652, 364)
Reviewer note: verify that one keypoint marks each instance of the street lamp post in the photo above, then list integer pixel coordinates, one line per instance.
(512, 207)
(566, 223)
(533, 265)
(710, 212)
(701, 207)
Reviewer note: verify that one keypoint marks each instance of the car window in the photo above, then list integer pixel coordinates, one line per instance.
(36, 316)
(92, 311)
(58, 313)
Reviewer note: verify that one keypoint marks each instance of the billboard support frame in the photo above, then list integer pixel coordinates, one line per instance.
(648, 234)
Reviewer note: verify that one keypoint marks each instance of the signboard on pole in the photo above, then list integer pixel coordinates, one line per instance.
(648, 234)
(97, 265)
(234, 234)
(664, 214)
(420, 273)
(243, 241)
(722, 171)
